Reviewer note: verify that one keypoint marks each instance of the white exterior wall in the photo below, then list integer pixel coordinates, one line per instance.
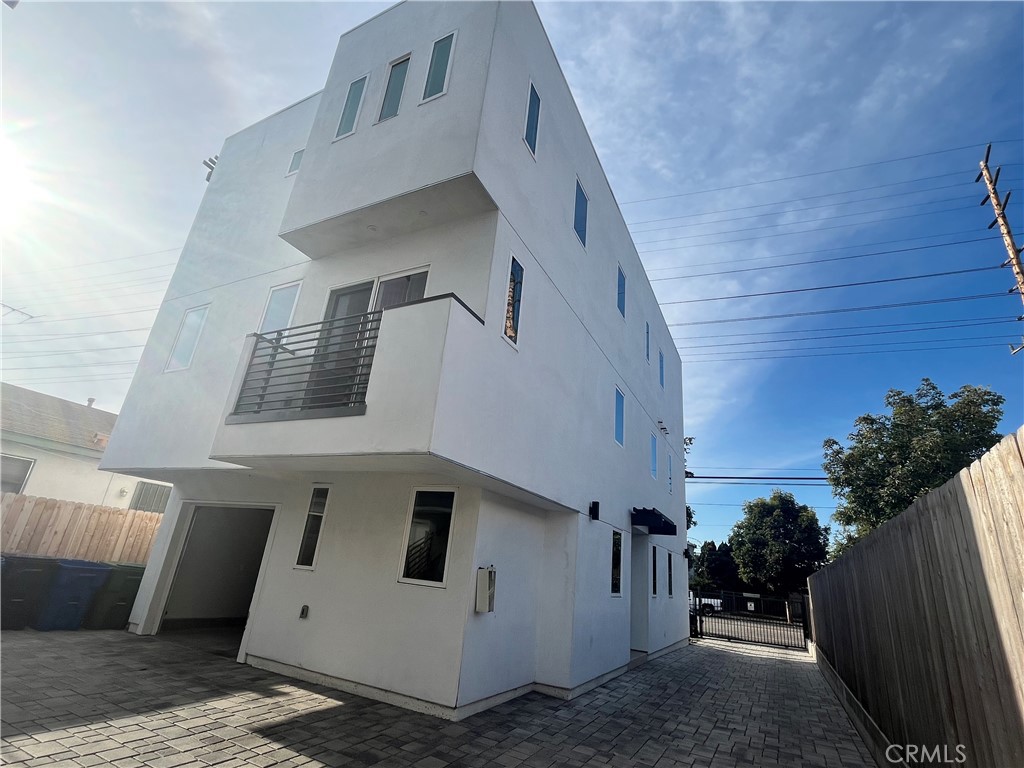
(61, 475)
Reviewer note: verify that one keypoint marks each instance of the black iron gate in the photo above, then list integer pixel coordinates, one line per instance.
(750, 618)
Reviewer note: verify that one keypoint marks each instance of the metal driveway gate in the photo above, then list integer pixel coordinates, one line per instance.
(750, 618)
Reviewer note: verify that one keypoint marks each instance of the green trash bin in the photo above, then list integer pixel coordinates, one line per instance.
(25, 587)
(113, 604)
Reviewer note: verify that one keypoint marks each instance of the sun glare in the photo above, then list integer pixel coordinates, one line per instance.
(18, 189)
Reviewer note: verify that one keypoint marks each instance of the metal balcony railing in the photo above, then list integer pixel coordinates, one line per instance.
(309, 371)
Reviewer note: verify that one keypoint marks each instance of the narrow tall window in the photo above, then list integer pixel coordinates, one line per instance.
(393, 92)
(661, 368)
(647, 342)
(430, 525)
(14, 473)
(616, 563)
(296, 162)
(188, 338)
(670, 574)
(532, 120)
(314, 523)
(654, 571)
(620, 417)
(620, 293)
(278, 313)
(515, 296)
(654, 456)
(353, 105)
(670, 473)
(579, 221)
(437, 72)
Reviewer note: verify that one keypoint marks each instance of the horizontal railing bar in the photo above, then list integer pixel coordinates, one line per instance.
(315, 401)
(349, 337)
(346, 319)
(300, 408)
(291, 394)
(368, 323)
(303, 387)
(333, 358)
(319, 345)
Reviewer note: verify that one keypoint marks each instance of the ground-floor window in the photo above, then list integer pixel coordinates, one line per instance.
(616, 563)
(314, 524)
(14, 473)
(654, 571)
(429, 536)
(670, 574)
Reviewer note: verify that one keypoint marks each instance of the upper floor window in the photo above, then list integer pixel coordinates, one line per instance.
(353, 105)
(620, 417)
(14, 473)
(620, 295)
(311, 532)
(532, 120)
(393, 92)
(280, 305)
(579, 221)
(437, 72)
(661, 368)
(401, 289)
(429, 536)
(654, 456)
(647, 342)
(515, 297)
(293, 166)
(187, 339)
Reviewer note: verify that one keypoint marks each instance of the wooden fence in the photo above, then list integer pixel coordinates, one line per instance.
(920, 627)
(32, 525)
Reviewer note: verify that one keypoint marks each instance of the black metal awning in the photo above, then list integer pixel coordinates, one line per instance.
(655, 522)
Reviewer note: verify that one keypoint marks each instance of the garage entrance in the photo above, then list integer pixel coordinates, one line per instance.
(213, 585)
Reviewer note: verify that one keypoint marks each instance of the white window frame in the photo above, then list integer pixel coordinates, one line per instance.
(387, 81)
(654, 456)
(199, 336)
(448, 69)
(514, 344)
(586, 227)
(31, 466)
(290, 162)
(443, 584)
(376, 279)
(359, 107)
(270, 294)
(323, 526)
(526, 121)
(614, 418)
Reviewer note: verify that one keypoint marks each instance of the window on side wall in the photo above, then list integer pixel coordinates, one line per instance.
(616, 563)
(532, 120)
(14, 472)
(670, 473)
(670, 574)
(437, 71)
(620, 417)
(314, 524)
(579, 221)
(280, 306)
(654, 571)
(429, 537)
(353, 106)
(515, 297)
(187, 340)
(150, 497)
(620, 293)
(293, 166)
(661, 368)
(647, 342)
(654, 456)
(393, 91)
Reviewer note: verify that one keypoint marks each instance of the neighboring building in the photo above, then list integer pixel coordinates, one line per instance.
(52, 447)
(409, 340)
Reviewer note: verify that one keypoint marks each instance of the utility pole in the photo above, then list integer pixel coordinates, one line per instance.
(1004, 227)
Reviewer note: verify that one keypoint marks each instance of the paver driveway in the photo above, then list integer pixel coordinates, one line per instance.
(78, 699)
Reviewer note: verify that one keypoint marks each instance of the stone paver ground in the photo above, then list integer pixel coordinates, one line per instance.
(80, 699)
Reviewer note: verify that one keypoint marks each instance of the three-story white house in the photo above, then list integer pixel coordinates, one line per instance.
(420, 407)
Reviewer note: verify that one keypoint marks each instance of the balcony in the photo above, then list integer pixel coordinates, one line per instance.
(310, 371)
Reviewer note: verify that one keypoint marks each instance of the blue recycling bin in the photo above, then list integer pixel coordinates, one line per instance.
(74, 585)
(25, 585)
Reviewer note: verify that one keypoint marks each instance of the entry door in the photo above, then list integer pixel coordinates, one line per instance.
(639, 592)
(333, 379)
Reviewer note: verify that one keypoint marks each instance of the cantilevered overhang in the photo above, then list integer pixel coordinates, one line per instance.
(654, 521)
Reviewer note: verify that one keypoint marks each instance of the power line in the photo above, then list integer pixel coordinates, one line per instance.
(818, 261)
(71, 352)
(819, 173)
(736, 482)
(90, 317)
(56, 337)
(56, 292)
(119, 273)
(839, 310)
(68, 366)
(98, 378)
(831, 287)
(955, 323)
(91, 263)
(827, 346)
(844, 354)
(752, 477)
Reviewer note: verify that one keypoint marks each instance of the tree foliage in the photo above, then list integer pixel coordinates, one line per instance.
(894, 458)
(715, 569)
(778, 543)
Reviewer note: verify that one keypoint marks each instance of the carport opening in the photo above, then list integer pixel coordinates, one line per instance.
(213, 585)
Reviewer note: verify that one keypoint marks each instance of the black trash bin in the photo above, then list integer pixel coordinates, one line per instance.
(113, 604)
(75, 583)
(25, 585)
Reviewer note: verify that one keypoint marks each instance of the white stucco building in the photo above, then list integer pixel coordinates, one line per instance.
(409, 339)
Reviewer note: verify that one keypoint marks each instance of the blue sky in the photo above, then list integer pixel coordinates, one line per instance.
(112, 107)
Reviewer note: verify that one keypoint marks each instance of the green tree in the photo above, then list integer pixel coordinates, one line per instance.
(715, 569)
(778, 543)
(894, 458)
